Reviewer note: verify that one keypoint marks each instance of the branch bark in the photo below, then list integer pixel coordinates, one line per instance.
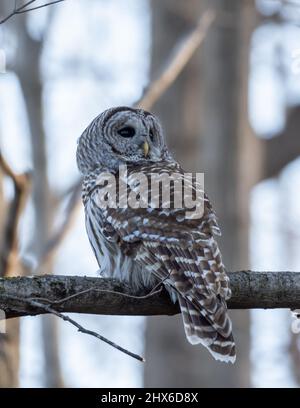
(76, 294)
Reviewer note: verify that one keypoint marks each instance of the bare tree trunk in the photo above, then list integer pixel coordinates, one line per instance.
(205, 118)
(28, 71)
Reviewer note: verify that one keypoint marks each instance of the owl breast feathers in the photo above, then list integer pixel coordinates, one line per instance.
(146, 245)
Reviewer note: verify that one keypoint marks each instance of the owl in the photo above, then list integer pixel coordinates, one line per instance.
(148, 245)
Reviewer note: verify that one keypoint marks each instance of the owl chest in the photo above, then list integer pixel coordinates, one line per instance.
(114, 260)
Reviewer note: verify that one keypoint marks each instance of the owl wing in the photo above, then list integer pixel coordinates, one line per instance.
(182, 253)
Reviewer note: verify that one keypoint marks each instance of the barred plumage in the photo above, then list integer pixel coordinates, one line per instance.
(146, 245)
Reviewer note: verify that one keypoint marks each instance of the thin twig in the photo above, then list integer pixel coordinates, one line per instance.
(83, 330)
(113, 292)
(24, 8)
(15, 11)
(180, 57)
(24, 5)
(35, 304)
(39, 7)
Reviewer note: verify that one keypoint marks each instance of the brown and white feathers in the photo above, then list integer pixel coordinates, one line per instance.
(147, 245)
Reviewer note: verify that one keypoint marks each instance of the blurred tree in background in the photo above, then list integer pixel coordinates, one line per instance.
(26, 66)
(205, 118)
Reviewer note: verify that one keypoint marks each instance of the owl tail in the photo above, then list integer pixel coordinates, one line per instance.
(200, 329)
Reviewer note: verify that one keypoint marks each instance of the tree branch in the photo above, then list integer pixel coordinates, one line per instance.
(181, 55)
(81, 329)
(74, 294)
(9, 250)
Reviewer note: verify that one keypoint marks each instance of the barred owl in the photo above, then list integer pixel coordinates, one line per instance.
(145, 246)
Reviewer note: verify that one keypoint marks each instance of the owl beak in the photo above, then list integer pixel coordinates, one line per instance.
(146, 148)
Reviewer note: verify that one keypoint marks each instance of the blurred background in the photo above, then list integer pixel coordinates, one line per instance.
(233, 112)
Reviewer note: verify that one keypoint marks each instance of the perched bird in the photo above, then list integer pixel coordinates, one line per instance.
(145, 245)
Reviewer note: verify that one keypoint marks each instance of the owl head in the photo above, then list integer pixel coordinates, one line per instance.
(119, 136)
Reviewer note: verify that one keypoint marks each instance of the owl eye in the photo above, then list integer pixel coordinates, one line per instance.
(151, 135)
(127, 131)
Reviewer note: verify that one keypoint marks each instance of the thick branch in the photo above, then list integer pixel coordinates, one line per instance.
(74, 294)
